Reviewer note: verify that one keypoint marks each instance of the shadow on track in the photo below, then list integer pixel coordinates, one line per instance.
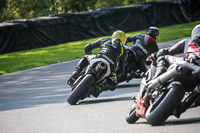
(182, 121)
(127, 85)
(174, 122)
(104, 100)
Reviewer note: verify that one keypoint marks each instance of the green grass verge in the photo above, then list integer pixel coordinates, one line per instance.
(27, 59)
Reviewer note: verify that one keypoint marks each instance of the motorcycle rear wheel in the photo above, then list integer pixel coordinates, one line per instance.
(162, 108)
(81, 89)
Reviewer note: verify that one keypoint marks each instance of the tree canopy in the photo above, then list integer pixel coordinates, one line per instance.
(22, 9)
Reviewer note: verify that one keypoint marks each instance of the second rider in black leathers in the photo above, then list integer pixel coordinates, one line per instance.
(144, 45)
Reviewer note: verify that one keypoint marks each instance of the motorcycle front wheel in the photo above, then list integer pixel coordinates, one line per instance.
(164, 106)
(81, 89)
(131, 117)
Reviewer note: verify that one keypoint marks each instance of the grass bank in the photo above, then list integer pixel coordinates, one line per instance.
(27, 59)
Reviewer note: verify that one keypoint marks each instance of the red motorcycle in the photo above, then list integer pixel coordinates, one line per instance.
(171, 93)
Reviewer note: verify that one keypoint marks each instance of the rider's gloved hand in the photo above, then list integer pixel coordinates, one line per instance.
(162, 52)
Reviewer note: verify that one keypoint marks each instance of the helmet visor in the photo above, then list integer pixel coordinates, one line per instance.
(196, 32)
(120, 35)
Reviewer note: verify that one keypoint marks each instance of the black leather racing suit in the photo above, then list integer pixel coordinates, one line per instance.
(114, 52)
(143, 46)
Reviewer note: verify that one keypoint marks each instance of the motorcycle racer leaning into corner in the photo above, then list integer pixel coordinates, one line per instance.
(189, 47)
(111, 49)
(143, 46)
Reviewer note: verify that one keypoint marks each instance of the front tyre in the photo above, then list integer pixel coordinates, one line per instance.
(132, 118)
(81, 89)
(162, 108)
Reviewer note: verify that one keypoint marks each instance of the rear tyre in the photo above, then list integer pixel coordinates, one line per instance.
(81, 89)
(160, 110)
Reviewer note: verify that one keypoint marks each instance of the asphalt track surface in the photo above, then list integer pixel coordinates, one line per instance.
(34, 101)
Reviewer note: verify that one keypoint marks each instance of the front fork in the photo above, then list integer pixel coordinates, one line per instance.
(155, 83)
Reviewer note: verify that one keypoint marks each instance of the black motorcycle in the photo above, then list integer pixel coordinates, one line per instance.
(91, 77)
(171, 93)
(131, 69)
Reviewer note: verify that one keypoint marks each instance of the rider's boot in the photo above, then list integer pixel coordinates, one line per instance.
(76, 73)
(106, 85)
(74, 76)
(162, 66)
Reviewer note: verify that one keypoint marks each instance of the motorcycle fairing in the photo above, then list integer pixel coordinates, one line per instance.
(140, 109)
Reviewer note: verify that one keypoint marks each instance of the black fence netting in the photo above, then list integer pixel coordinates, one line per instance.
(26, 34)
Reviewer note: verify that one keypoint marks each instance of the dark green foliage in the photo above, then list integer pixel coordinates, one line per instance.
(21, 9)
